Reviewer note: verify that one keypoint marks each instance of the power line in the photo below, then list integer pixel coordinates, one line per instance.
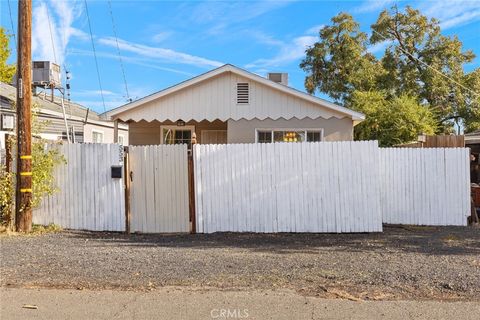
(118, 49)
(11, 23)
(51, 35)
(95, 55)
(428, 66)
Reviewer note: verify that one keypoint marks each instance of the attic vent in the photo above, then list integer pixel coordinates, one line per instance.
(242, 93)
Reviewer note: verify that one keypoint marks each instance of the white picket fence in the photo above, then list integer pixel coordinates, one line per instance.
(88, 198)
(159, 188)
(297, 187)
(425, 186)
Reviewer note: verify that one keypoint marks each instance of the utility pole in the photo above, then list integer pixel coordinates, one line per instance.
(23, 208)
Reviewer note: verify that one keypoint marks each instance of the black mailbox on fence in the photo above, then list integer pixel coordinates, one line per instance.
(117, 172)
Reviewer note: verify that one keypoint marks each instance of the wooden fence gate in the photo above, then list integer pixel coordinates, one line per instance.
(159, 189)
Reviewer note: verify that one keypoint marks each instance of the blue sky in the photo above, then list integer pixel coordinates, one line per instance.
(163, 43)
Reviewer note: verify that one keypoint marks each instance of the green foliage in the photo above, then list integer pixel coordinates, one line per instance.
(340, 65)
(391, 121)
(44, 161)
(6, 195)
(51, 228)
(6, 70)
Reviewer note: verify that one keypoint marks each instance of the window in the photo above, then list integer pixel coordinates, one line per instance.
(289, 135)
(177, 135)
(121, 139)
(8, 122)
(264, 136)
(97, 136)
(314, 136)
(243, 93)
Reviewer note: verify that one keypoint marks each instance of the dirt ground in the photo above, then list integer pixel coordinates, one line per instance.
(400, 263)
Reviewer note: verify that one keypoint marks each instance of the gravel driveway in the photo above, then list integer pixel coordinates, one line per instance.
(401, 263)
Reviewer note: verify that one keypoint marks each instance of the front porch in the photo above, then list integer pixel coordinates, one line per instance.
(169, 132)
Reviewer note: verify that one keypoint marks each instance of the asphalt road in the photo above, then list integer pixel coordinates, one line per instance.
(185, 303)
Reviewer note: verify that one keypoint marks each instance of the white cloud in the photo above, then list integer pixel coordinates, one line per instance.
(79, 34)
(315, 29)
(61, 15)
(144, 62)
(97, 104)
(453, 13)
(289, 52)
(94, 93)
(374, 5)
(161, 36)
(219, 16)
(264, 38)
(90, 98)
(168, 55)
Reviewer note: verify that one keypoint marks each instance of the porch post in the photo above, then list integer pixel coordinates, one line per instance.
(115, 131)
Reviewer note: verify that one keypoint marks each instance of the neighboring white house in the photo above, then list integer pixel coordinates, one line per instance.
(84, 125)
(232, 105)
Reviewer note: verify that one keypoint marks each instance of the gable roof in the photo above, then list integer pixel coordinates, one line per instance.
(356, 116)
(48, 107)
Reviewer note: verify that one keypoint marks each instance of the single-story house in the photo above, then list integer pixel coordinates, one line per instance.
(472, 141)
(84, 125)
(232, 105)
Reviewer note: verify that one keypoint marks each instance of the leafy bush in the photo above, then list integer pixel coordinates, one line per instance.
(44, 161)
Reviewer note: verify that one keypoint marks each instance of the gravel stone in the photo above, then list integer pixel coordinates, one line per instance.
(400, 263)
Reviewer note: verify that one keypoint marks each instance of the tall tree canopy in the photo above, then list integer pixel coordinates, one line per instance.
(6, 70)
(419, 66)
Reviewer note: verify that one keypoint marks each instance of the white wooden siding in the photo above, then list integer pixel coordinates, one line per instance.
(88, 198)
(425, 186)
(281, 187)
(159, 189)
(215, 98)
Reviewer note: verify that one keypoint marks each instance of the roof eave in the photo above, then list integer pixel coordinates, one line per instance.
(113, 114)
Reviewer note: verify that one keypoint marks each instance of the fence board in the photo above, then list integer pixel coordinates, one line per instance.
(88, 198)
(159, 190)
(427, 186)
(307, 187)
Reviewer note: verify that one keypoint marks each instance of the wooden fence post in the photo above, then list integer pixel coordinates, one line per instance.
(126, 177)
(191, 192)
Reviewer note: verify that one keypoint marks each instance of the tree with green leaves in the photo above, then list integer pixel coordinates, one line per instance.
(391, 121)
(418, 65)
(6, 70)
(44, 160)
